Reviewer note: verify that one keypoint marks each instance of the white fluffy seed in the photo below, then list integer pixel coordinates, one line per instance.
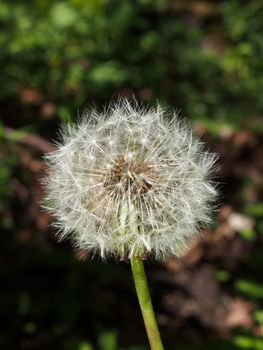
(147, 194)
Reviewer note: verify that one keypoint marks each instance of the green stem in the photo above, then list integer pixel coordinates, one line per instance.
(145, 302)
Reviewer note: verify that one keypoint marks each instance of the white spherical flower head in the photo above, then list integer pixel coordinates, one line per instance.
(130, 181)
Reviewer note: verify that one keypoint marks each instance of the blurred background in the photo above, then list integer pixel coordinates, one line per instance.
(202, 58)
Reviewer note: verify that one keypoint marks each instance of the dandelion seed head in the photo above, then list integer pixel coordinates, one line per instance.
(130, 181)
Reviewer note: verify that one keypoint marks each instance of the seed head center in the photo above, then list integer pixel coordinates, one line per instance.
(130, 176)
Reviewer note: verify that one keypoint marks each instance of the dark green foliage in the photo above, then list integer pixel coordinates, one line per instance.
(207, 64)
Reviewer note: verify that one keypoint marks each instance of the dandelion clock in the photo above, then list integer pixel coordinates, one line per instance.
(132, 183)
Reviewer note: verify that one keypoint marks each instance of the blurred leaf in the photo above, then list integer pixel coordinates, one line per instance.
(246, 342)
(254, 209)
(108, 72)
(222, 275)
(30, 327)
(85, 346)
(258, 315)
(24, 304)
(63, 15)
(250, 288)
(248, 234)
(108, 340)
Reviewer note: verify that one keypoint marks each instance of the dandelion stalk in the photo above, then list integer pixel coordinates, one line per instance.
(145, 302)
